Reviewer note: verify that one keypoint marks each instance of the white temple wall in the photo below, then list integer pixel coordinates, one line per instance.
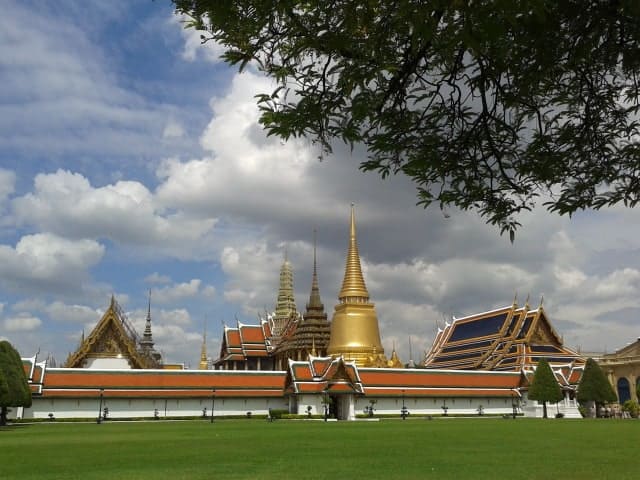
(108, 363)
(433, 406)
(145, 408)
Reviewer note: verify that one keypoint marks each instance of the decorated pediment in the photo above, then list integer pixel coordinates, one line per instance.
(113, 338)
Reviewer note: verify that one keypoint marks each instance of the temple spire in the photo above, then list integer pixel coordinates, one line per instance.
(355, 334)
(285, 304)
(204, 363)
(315, 303)
(353, 288)
(147, 337)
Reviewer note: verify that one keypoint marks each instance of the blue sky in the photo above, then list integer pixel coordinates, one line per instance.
(131, 159)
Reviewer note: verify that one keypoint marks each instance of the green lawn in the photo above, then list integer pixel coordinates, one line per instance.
(391, 449)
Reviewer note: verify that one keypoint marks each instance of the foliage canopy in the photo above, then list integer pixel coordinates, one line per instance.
(486, 106)
(17, 392)
(594, 386)
(544, 386)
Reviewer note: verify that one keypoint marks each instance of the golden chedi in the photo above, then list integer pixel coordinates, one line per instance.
(354, 330)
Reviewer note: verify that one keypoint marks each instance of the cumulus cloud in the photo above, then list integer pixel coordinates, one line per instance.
(67, 204)
(22, 323)
(178, 291)
(61, 312)
(62, 96)
(157, 278)
(47, 261)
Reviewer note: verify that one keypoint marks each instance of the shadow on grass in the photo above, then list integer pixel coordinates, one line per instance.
(13, 426)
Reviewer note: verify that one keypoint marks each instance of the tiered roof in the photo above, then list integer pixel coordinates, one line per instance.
(79, 382)
(323, 374)
(511, 338)
(244, 341)
(337, 376)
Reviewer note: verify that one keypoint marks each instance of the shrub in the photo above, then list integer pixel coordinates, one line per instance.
(632, 407)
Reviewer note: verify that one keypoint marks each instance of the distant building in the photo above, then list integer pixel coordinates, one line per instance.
(511, 338)
(114, 343)
(623, 370)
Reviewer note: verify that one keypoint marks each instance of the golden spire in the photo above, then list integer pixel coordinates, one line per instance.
(354, 330)
(353, 286)
(204, 363)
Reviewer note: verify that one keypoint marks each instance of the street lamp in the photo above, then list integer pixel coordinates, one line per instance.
(444, 408)
(326, 405)
(99, 420)
(213, 403)
(403, 412)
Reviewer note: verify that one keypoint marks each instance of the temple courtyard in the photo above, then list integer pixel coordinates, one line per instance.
(418, 448)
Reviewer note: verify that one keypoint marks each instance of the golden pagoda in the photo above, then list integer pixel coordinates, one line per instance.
(354, 329)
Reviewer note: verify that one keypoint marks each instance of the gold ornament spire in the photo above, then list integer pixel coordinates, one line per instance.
(204, 363)
(353, 286)
(354, 330)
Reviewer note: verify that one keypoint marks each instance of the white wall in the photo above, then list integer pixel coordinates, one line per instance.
(144, 408)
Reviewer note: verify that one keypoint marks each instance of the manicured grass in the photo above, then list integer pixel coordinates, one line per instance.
(391, 449)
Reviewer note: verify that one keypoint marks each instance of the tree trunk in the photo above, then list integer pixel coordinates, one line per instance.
(3, 416)
(544, 410)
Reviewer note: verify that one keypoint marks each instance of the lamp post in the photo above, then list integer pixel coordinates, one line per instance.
(99, 420)
(403, 411)
(213, 403)
(326, 405)
(444, 408)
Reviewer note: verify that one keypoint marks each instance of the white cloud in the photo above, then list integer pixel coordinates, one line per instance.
(173, 129)
(22, 323)
(65, 88)
(178, 291)
(62, 312)
(126, 212)
(48, 261)
(157, 278)
(7, 184)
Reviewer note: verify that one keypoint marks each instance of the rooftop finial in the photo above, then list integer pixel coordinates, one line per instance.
(353, 286)
(204, 363)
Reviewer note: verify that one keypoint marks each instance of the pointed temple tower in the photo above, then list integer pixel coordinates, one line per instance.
(286, 311)
(146, 344)
(311, 333)
(204, 362)
(354, 330)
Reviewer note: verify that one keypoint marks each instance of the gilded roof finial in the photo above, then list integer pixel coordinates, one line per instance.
(412, 364)
(541, 300)
(353, 286)
(526, 302)
(204, 363)
(515, 299)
